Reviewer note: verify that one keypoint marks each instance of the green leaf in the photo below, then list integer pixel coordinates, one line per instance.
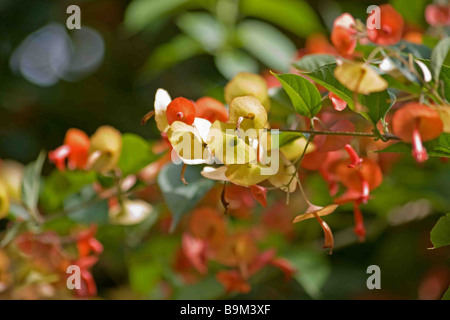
(446, 295)
(304, 95)
(178, 49)
(440, 235)
(205, 289)
(296, 16)
(181, 198)
(204, 28)
(136, 154)
(411, 10)
(438, 56)
(141, 13)
(10, 234)
(267, 43)
(419, 51)
(439, 147)
(85, 207)
(445, 78)
(378, 104)
(145, 276)
(313, 270)
(394, 83)
(31, 183)
(311, 62)
(19, 212)
(325, 77)
(61, 184)
(287, 137)
(230, 63)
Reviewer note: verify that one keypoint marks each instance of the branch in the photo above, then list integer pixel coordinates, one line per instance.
(342, 133)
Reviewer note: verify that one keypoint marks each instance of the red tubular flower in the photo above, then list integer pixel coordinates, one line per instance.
(438, 15)
(355, 160)
(317, 43)
(419, 152)
(359, 180)
(75, 149)
(365, 190)
(416, 123)
(261, 261)
(211, 110)
(359, 229)
(391, 26)
(367, 178)
(59, 156)
(89, 250)
(285, 266)
(338, 103)
(259, 194)
(87, 244)
(233, 281)
(343, 35)
(206, 224)
(333, 186)
(44, 250)
(195, 250)
(88, 287)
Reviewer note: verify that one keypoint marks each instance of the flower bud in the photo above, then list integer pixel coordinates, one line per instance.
(4, 201)
(132, 212)
(245, 84)
(11, 174)
(104, 152)
(249, 112)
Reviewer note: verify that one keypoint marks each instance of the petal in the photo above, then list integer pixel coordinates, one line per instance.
(320, 211)
(162, 100)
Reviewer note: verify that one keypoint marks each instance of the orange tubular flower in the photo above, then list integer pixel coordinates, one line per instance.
(343, 35)
(87, 243)
(391, 26)
(89, 249)
(75, 149)
(438, 15)
(360, 176)
(316, 212)
(208, 225)
(211, 110)
(329, 240)
(181, 109)
(416, 123)
(316, 43)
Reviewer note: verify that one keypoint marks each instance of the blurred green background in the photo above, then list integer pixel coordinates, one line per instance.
(148, 44)
(191, 48)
